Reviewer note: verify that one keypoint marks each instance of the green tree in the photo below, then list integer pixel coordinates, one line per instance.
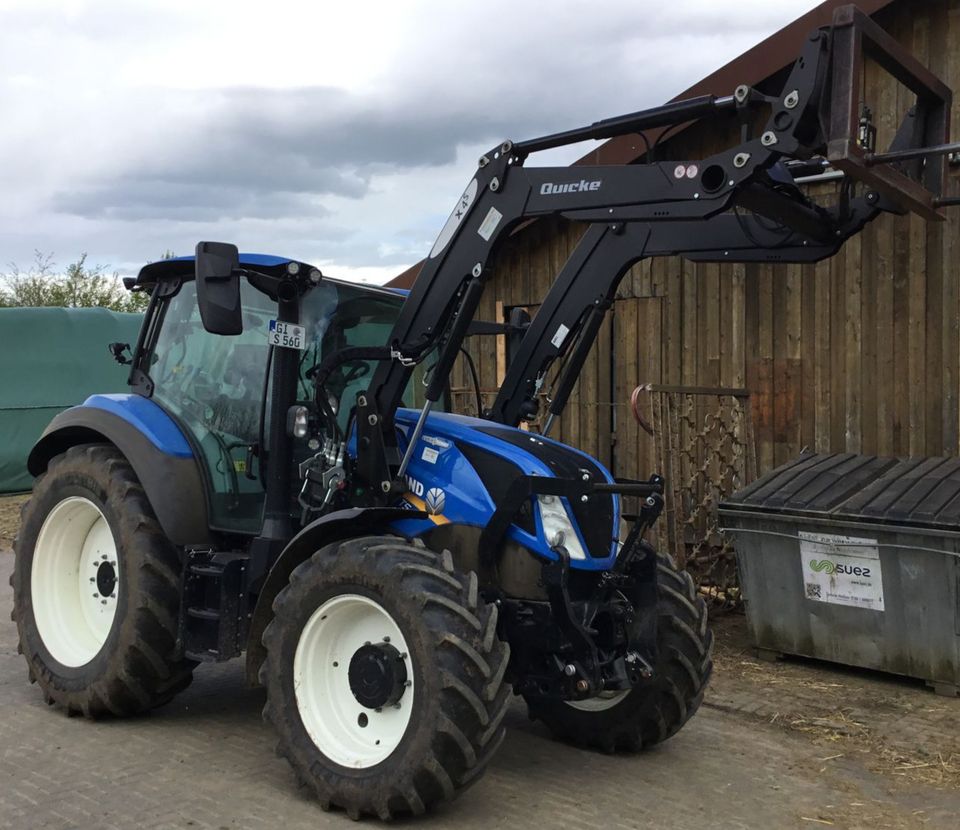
(79, 286)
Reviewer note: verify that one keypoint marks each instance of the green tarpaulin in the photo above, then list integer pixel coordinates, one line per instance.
(50, 359)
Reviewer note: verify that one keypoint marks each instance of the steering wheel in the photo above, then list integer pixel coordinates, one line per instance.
(359, 369)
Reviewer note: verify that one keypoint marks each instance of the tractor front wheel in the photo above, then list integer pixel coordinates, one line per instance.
(384, 677)
(96, 589)
(655, 710)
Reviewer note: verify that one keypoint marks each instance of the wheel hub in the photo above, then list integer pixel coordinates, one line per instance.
(106, 579)
(377, 675)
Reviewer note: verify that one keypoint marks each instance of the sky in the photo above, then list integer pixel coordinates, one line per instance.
(338, 134)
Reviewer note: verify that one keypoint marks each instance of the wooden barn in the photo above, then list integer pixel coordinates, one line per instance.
(859, 353)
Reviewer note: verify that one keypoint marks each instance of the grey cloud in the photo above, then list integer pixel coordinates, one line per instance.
(261, 151)
(264, 165)
(141, 197)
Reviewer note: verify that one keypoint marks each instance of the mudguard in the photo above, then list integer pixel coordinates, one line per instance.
(154, 446)
(333, 527)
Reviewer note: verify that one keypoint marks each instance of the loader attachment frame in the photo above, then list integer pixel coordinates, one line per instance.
(657, 208)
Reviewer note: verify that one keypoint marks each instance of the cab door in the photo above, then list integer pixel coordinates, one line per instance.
(213, 384)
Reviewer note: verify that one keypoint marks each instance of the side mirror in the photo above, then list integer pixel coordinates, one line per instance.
(218, 287)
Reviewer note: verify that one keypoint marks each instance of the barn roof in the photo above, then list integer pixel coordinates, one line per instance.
(753, 66)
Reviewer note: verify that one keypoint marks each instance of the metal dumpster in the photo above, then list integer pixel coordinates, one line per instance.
(854, 559)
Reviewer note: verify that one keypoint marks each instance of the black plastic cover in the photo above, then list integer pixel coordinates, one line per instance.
(594, 518)
(914, 492)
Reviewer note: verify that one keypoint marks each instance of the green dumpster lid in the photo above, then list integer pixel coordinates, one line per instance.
(919, 492)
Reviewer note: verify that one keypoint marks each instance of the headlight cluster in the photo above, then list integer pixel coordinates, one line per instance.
(557, 527)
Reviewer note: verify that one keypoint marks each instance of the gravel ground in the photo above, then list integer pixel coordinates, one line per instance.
(10, 518)
(795, 744)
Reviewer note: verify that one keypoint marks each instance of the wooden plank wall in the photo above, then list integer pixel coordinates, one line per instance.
(859, 353)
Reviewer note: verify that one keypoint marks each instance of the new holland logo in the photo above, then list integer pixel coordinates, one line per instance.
(435, 500)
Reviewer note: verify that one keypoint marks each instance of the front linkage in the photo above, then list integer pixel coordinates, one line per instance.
(605, 638)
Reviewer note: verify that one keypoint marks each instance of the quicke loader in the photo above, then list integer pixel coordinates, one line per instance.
(394, 575)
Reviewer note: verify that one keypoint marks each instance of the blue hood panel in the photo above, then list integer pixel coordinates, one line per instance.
(440, 472)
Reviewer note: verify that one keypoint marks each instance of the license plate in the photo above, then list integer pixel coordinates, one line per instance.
(286, 335)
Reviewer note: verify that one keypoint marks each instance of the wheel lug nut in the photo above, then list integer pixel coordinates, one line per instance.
(386, 639)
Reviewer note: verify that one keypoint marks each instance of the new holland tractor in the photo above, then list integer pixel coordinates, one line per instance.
(281, 479)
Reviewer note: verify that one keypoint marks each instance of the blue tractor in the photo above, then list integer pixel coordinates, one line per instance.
(282, 481)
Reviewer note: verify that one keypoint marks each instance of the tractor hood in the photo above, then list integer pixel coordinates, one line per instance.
(462, 468)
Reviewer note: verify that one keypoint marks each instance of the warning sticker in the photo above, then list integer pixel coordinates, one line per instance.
(559, 336)
(489, 223)
(842, 570)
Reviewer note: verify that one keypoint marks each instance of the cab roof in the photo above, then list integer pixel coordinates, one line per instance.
(183, 266)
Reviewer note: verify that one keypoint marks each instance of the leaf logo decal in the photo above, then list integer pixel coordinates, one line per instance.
(435, 500)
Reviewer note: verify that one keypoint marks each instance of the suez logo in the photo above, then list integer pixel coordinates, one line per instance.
(830, 568)
(582, 186)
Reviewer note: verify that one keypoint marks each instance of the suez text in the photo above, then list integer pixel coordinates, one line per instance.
(829, 567)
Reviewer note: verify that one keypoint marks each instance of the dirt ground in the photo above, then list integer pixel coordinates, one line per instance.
(895, 726)
(10, 518)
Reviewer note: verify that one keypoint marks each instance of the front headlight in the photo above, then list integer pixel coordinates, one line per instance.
(557, 527)
(298, 421)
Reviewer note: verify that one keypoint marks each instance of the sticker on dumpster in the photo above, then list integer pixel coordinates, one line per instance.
(843, 570)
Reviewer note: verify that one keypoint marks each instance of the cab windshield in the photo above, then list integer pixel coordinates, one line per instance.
(214, 384)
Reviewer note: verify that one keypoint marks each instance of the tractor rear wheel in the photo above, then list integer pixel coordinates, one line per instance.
(654, 711)
(384, 677)
(96, 589)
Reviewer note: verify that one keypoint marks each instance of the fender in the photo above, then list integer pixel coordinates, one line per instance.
(334, 527)
(154, 446)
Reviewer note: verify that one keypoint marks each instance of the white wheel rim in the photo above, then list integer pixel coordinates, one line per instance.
(599, 703)
(331, 714)
(74, 581)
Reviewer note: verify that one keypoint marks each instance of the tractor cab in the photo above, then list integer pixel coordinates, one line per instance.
(216, 388)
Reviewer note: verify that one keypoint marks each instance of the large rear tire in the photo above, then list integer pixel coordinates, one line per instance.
(384, 677)
(96, 589)
(647, 714)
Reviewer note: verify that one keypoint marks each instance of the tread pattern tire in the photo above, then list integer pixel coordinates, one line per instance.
(138, 667)
(458, 661)
(652, 713)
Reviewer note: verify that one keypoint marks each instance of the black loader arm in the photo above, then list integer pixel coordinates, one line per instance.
(569, 318)
(573, 310)
(707, 209)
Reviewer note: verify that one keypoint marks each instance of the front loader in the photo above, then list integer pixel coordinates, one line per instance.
(281, 480)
